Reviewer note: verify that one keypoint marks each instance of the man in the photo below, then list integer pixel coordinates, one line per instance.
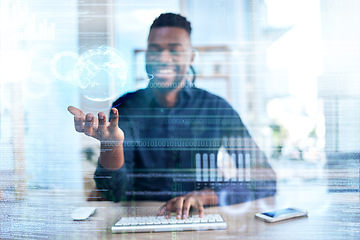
(161, 142)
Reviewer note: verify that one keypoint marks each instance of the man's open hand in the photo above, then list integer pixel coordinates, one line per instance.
(108, 133)
(99, 128)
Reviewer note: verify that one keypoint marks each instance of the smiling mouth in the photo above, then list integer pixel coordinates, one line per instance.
(164, 72)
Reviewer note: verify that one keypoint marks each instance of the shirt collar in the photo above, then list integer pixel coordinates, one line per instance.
(187, 89)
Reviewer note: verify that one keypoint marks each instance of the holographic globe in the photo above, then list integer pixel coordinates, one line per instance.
(101, 73)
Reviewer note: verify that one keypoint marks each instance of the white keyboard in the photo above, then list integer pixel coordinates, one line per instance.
(161, 224)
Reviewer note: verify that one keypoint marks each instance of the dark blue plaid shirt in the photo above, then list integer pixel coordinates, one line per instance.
(172, 151)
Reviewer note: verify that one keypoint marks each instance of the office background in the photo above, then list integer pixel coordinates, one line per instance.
(290, 68)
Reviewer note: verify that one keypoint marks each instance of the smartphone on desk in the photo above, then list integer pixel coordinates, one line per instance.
(281, 214)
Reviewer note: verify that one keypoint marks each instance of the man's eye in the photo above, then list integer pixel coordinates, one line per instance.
(174, 52)
(178, 52)
(152, 53)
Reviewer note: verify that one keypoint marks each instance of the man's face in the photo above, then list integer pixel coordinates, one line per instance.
(168, 56)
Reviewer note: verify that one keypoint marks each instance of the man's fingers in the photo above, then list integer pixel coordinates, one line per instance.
(79, 123)
(102, 122)
(168, 208)
(79, 118)
(75, 111)
(162, 211)
(188, 202)
(89, 124)
(114, 118)
(179, 206)
(200, 209)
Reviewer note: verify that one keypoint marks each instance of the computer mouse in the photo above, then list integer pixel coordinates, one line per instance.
(82, 213)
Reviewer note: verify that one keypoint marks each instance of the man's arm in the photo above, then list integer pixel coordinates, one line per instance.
(257, 180)
(109, 175)
(111, 184)
(109, 134)
(115, 185)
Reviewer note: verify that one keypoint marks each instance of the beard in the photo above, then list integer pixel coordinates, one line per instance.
(164, 77)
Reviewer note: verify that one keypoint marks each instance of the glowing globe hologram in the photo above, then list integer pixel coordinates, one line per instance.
(101, 73)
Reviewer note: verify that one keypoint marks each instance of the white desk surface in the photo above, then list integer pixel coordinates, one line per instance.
(45, 214)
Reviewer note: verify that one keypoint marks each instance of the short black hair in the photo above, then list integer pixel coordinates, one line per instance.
(171, 20)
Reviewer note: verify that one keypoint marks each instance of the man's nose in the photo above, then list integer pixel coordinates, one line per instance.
(165, 56)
